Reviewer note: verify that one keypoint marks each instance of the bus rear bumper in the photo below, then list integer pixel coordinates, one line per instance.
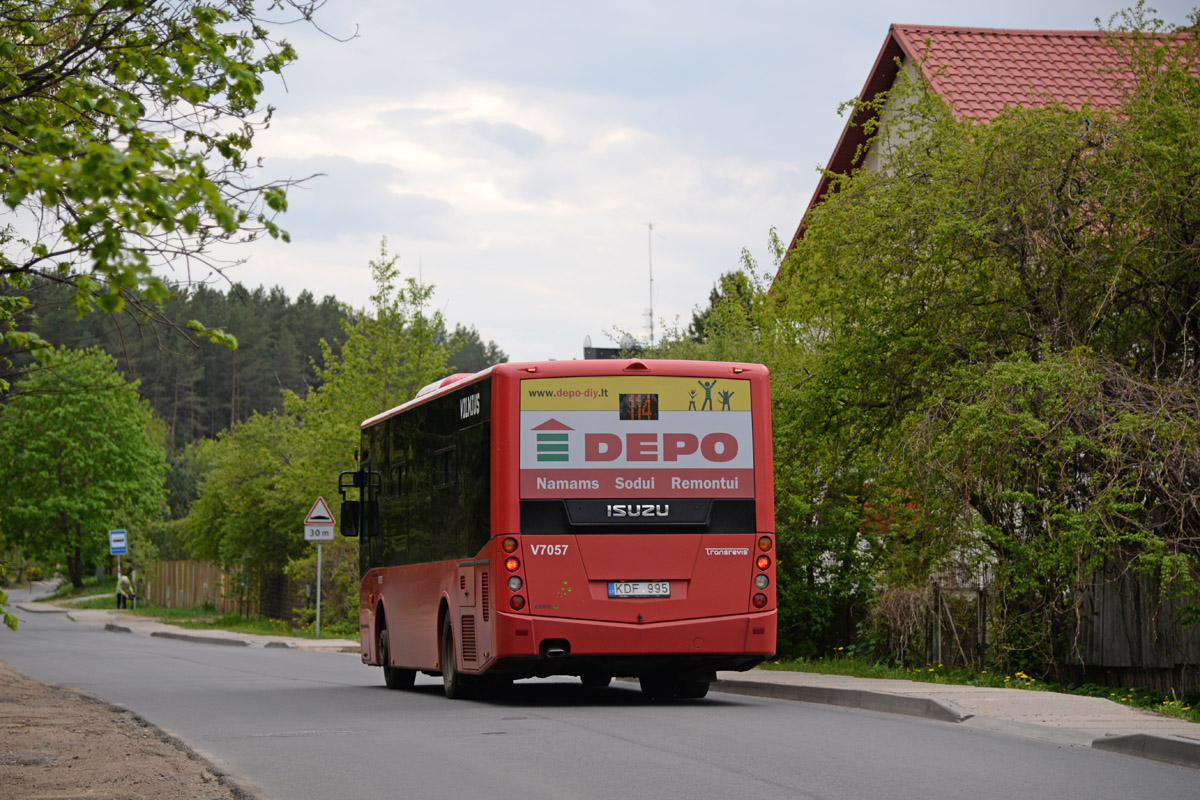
(542, 646)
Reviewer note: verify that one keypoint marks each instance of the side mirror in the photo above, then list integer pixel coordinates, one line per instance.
(351, 516)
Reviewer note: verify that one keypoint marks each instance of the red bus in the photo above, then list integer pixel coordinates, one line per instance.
(608, 518)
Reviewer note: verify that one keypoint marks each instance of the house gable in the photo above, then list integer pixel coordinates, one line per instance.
(980, 72)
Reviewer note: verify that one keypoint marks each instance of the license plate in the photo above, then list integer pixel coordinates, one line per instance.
(639, 588)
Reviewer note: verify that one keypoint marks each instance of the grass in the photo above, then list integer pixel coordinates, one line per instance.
(1186, 707)
(91, 586)
(207, 618)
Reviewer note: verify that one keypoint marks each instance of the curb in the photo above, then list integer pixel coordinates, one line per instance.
(39, 608)
(865, 699)
(1157, 748)
(184, 637)
(220, 640)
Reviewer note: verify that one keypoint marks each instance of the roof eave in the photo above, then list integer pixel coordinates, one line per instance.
(880, 79)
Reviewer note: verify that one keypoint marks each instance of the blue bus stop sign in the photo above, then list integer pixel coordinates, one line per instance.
(117, 543)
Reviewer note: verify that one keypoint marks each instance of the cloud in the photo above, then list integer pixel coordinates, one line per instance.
(514, 154)
(345, 197)
(519, 141)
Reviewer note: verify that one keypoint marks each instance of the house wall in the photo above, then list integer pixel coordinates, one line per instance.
(890, 137)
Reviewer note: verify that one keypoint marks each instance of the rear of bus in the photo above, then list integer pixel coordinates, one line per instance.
(635, 505)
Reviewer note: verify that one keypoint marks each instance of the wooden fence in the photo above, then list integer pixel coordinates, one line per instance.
(1128, 632)
(177, 584)
(1131, 632)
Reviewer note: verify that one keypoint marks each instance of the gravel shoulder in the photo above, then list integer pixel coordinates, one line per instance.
(61, 743)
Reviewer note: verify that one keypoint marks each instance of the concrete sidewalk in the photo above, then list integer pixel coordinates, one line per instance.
(1051, 716)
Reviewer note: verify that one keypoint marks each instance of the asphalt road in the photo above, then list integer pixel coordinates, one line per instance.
(293, 725)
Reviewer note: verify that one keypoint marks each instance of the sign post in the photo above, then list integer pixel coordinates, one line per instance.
(318, 527)
(118, 545)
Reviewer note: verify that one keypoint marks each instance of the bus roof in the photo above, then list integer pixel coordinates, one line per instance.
(574, 368)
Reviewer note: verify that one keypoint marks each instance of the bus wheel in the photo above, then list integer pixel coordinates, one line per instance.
(691, 688)
(594, 680)
(452, 682)
(393, 677)
(657, 686)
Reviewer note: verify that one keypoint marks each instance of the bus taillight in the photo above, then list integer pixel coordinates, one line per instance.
(509, 545)
(512, 563)
(761, 579)
(516, 602)
(515, 583)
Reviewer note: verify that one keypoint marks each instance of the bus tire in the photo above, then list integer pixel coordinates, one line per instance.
(453, 682)
(656, 686)
(593, 680)
(691, 688)
(393, 677)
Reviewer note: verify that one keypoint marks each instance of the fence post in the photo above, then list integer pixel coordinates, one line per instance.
(937, 625)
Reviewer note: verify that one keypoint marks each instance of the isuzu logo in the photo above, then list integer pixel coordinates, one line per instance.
(639, 512)
(639, 509)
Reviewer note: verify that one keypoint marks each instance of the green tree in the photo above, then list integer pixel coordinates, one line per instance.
(10, 621)
(470, 352)
(983, 365)
(127, 127)
(245, 517)
(83, 456)
(731, 294)
(263, 475)
(999, 327)
(387, 356)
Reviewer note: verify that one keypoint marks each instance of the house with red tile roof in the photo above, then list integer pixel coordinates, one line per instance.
(979, 72)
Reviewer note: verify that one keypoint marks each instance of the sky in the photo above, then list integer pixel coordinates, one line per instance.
(515, 155)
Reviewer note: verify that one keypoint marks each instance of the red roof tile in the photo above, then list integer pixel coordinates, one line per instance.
(979, 71)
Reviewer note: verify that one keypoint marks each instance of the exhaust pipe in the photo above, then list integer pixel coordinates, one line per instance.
(555, 648)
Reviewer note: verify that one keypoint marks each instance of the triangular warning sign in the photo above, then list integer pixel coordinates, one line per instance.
(319, 514)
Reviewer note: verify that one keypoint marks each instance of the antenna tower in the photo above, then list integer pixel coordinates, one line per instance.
(650, 256)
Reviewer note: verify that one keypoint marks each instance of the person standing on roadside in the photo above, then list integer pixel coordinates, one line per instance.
(124, 591)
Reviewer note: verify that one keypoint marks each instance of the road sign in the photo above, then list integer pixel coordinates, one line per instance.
(318, 533)
(318, 527)
(319, 514)
(117, 543)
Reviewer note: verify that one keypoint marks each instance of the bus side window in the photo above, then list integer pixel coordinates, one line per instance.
(443, 468)
(370, 518)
